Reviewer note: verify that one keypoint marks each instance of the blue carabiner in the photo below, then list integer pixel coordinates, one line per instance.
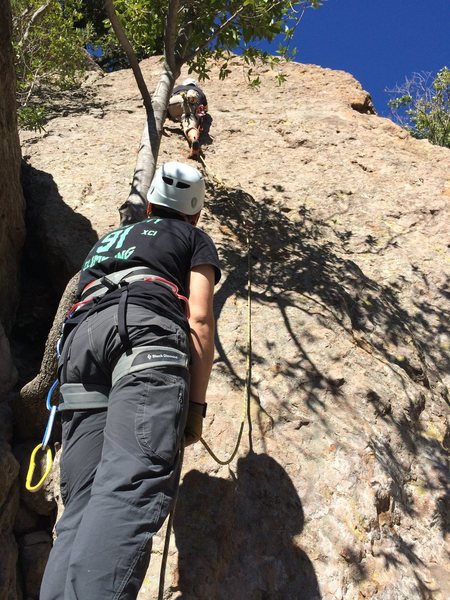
(50, 394)
(51, 419)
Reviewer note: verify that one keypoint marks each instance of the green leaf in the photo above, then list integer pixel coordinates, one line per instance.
(422, 106)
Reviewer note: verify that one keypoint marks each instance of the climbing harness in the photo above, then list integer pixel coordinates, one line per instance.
(98, 288)
(95, 290)
(120, 279)
(145, 357)
(52, 408)
(200, 111)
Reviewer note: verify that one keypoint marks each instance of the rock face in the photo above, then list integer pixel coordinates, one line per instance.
(340, 486)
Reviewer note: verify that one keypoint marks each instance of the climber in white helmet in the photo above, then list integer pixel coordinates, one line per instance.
(136, 356)
(188, 105)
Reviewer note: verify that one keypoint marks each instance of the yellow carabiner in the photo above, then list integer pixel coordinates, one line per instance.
(31, 468)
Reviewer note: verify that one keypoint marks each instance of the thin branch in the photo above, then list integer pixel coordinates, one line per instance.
(170, 34)
(294, 27)
(31, 88)
(125, 43)
(35, 17)
(185, 33)
(18, 19)
(224, 26)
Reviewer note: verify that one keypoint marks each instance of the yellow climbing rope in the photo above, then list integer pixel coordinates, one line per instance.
(213, 176)
(245, 403)
(246, 398)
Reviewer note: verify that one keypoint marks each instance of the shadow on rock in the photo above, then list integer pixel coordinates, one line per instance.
(57, 241)
(205, 138)
(65, 103)
(58, 238)
(238, 538)
(291, 252)
(298, 267)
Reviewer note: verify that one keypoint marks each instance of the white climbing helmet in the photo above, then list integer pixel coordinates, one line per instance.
(179, 187)
(189, 81)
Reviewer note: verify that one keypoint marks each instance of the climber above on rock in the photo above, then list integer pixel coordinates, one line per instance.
(136, 356)
(188, 105)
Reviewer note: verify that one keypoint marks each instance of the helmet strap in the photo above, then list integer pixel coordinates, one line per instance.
(193, 219)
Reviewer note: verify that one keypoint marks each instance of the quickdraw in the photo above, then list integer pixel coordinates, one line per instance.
(52, 408)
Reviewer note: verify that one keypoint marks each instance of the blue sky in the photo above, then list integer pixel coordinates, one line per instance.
(380, 42)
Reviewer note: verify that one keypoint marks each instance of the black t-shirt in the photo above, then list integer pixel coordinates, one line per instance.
(170, 248)
(185, 88)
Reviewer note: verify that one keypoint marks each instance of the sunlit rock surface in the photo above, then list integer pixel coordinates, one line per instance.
(340, 487)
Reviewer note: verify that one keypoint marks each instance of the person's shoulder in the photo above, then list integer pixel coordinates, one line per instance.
(200, 90)
(205, 252)
(201, 233)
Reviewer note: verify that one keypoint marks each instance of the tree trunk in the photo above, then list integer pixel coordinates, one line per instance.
(135, 208)
(12, 205)
(30, 403)
(12, 234)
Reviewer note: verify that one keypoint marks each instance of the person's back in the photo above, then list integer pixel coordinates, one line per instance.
(167, 246)
(183, 88)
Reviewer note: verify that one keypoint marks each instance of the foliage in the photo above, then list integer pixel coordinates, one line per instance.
(197, 34)
(49, 38)
(143, 22)
(253, 21)
(422, 106)
(49, 54)
(32, 117)
(211, 30)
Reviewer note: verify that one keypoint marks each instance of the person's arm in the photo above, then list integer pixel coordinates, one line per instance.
(201, 324)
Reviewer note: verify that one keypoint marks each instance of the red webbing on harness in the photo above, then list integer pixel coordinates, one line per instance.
(75, 307)
(174, 289)
(153, 278)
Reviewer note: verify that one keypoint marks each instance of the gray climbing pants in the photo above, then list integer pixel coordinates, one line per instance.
(120, 465)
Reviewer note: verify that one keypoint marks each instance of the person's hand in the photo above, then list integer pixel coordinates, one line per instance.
(194, 423)
(200, 111)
